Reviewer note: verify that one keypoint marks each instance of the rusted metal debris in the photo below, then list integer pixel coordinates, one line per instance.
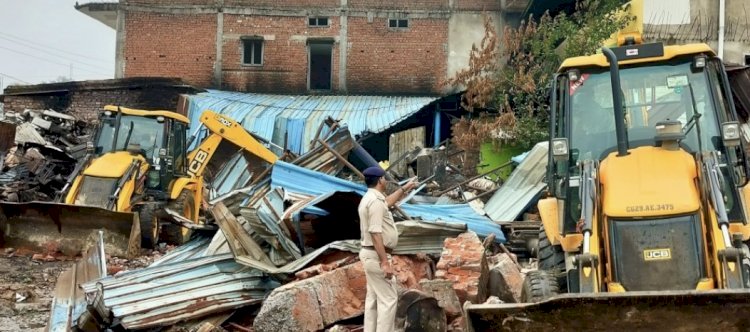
(39, 150)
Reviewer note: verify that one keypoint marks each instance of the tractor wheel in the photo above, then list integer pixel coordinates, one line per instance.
(539, 285)
(150, 227)
(552, 259)
(185, 205)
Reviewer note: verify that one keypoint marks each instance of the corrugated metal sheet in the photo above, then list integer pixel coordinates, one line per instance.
(266, 221)
(301, 180)
(69, 302)
(236, 174)
(168, 293)
(26, 133)
(273, 116)
(239, 235)
(415, 237)
(522, 187)
(195, 248)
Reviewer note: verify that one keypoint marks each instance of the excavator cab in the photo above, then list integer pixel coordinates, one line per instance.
(160, 139)
(645, 221)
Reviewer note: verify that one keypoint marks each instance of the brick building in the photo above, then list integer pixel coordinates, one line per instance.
(406, 47)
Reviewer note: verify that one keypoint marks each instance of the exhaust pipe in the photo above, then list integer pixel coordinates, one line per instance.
(614, 75)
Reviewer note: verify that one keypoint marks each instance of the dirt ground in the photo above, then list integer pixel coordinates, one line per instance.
(27, 285)
(26, 288)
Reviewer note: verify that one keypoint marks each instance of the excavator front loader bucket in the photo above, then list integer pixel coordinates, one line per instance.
(717, 310)
(70, 229)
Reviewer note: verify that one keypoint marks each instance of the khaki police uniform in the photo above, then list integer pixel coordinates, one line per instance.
(382, 296)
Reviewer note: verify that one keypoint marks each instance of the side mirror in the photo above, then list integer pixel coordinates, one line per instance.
(730, 133)
(559, 149)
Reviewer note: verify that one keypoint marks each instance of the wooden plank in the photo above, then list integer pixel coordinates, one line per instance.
(241, 243)
(7, 136)
(403, 142)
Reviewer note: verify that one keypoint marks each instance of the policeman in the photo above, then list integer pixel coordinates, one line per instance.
(379, 237)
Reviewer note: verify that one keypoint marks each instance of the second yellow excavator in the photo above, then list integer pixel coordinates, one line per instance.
(138, 166)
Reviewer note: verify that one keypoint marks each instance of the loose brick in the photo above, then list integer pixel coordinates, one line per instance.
(319, 301)
(464, 263)
(505, 279)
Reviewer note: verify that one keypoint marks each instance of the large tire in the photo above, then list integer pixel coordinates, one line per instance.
(539, 285)
(185, 205)
(552, 259)
(150, 227)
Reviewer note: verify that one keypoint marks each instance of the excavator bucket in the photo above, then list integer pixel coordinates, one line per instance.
(70, 229)
(717, 310)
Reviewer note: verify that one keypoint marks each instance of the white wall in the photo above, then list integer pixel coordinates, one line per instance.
(465, 30)
(667, 21)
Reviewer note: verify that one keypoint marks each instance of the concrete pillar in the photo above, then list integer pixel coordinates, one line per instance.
(343, 46)
(120, 43)
(218, 59)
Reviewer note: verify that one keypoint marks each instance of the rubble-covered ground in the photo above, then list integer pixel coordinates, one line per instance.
(27, 284)
(26, 291)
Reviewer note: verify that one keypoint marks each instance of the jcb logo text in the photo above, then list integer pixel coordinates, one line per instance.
(657, 254)
(198, 161)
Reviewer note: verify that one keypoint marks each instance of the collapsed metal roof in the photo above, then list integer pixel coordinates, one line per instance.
(301, 180)
(415, 237)
(274, 117)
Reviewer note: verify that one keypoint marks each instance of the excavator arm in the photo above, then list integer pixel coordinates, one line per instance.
(221, 130)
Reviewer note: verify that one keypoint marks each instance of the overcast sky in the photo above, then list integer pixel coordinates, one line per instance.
(42, 40)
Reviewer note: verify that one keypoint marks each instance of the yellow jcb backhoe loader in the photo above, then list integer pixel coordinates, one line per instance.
(645, 224)
(138, 166)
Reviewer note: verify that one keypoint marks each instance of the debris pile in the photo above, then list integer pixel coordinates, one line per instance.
(284, 255)
(39, 150)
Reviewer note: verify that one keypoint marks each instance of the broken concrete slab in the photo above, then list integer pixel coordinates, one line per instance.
(322, 300)
(505, 280)
(312, 304)
(443, 292)
(463, 261)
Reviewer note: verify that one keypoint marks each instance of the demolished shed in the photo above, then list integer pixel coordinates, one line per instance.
(293, 122)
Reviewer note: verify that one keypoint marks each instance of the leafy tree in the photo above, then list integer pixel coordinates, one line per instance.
(507, 81)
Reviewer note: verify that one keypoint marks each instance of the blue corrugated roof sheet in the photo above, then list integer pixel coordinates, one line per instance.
(272, 116)
(301, 180)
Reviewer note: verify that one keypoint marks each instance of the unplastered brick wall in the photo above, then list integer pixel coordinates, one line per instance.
(411, 60)
(86, 105)
(171, 45)
(285, 52)
(399, 4)
(172, 2)
(474, 5)
(303, 4)
(20, 103)
(178, 39)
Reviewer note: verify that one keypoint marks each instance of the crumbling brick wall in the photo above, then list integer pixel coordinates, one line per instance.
(85, 99)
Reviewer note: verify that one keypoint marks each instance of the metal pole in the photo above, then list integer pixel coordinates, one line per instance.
(368, 159)
(614, 75)
(342, 159)
(436, 129)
